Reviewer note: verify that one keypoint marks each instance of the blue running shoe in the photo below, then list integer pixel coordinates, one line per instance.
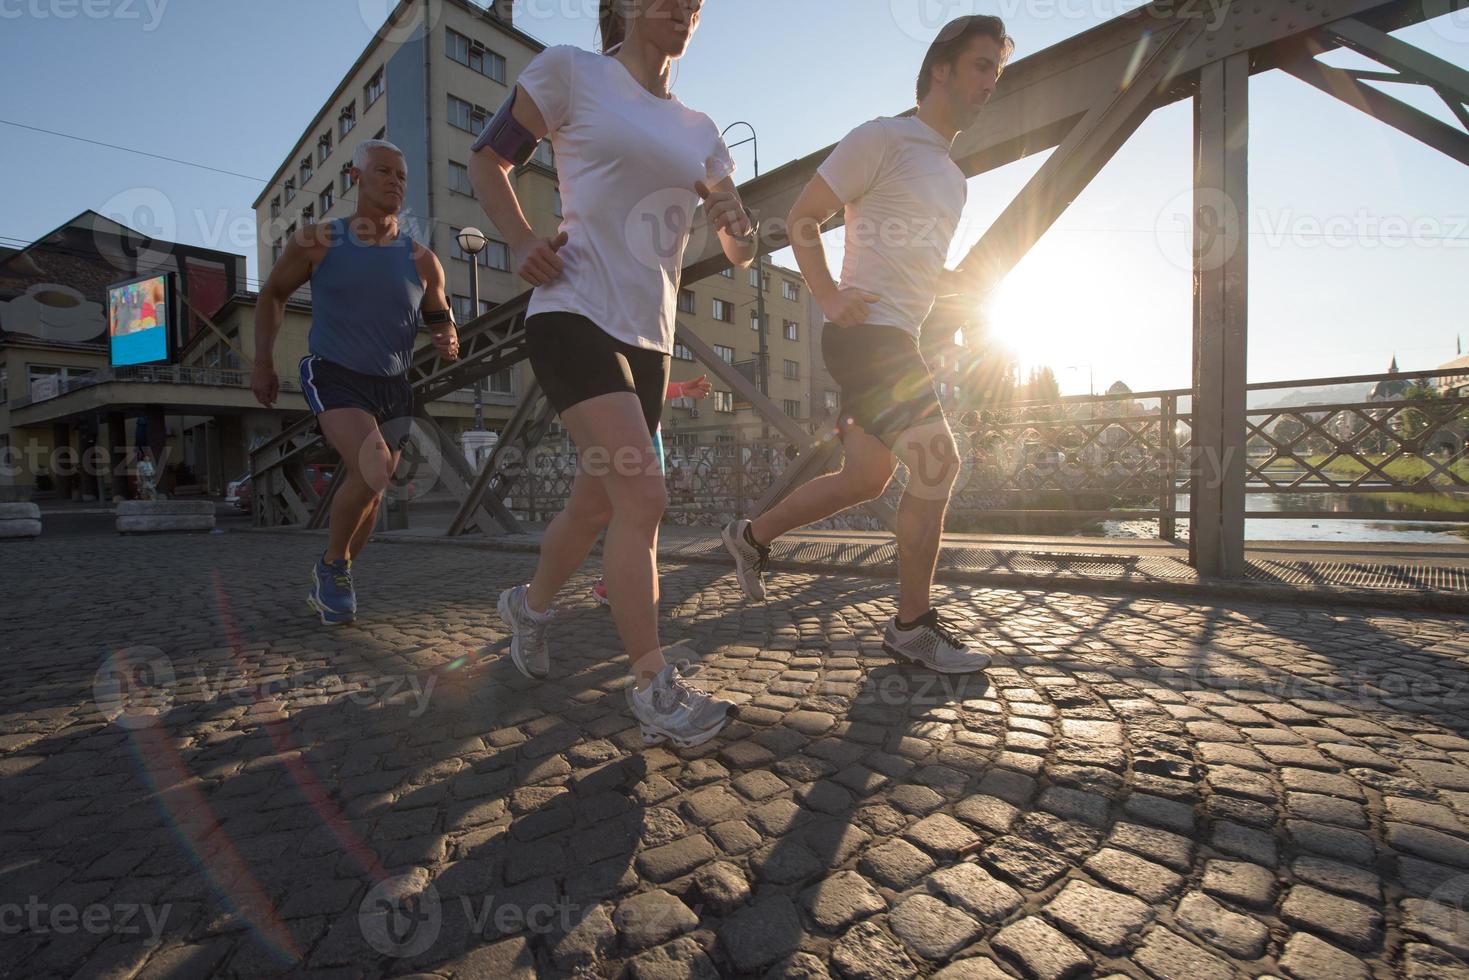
(332, 594)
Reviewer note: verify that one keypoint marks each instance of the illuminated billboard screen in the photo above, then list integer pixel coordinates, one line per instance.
(140, 319)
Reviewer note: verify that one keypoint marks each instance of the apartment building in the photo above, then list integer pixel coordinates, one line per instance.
(429, 82)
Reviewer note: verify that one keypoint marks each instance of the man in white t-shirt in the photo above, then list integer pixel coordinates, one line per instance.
(903, 196)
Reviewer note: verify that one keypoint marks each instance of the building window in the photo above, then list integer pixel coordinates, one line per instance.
(545, 154)
(308, 215)
(793, 370)
(791, 290)
(500, 383)
(681, 353)
(755, 321)
(833, 401)
(4, 386)
(497, 256)
(459, 179)
(724, 353)
(290, 190)
(475, 56)
(373, 90)
(467, 116)
(792, 330)
(463, 308)
(793, 407)
(485, 306)
(306, 171)
(381, 134)
(723, 311)
(328, 198)
(347, 183)
(686, 301)
(348, 119)
(724, 401)
(275, 252)
(556, 203)
(727, 273)
(275, 206)
(323, 147)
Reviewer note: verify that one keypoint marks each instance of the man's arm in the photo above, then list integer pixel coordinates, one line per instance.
(436, 303)
(291, 271)
(817, 203)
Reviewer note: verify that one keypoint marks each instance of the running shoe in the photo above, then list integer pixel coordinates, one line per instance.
(750, 558)
(528, 650)
(673, 709)
(332, 594)
(935, 643)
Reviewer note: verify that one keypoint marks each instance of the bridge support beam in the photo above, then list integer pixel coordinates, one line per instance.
(1221, 326)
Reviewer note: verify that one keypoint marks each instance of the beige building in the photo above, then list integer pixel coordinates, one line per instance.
(462, 66)
(428, 82)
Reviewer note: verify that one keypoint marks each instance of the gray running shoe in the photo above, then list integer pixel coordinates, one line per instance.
(750, 560)
(672, 708)
(935, 643)
(528, 649)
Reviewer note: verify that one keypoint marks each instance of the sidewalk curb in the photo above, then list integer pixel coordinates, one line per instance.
(1404, 600)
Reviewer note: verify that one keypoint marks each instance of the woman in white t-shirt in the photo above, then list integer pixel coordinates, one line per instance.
(633, 163)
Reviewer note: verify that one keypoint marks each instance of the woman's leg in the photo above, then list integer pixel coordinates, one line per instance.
(615, 448)
(569, 538)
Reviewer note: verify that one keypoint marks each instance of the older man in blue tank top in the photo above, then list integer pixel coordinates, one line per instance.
(372, 289)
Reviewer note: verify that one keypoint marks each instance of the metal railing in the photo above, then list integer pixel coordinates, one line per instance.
(1125, 456)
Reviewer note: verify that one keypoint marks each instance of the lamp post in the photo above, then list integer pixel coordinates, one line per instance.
(763, 355)
(473, 242)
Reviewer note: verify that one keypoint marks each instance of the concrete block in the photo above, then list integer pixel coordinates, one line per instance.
(20, 512)
(19, 529)
(156, 516)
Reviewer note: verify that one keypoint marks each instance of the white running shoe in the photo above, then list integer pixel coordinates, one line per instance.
(750, 559)
(672, 708)
(935, 643)
(528, 650)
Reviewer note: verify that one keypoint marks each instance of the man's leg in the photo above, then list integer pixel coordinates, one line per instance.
(867, 466)
(363, 534)
(933, 465)
(355, 436)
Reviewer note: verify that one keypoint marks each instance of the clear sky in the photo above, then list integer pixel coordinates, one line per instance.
(1336, 287)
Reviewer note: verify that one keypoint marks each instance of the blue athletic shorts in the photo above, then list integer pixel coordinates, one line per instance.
(328, 385)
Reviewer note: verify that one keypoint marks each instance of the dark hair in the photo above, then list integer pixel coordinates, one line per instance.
(952, 42)
(612, 23)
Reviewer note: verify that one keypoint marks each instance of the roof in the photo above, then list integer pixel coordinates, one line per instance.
(377, 41)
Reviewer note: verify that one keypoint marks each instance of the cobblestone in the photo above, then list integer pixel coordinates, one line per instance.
(1099, 801)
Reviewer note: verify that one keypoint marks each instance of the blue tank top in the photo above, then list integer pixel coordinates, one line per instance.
(364, 304)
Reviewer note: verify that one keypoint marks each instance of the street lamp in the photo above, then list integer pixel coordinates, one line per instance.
(763, 357)
(473, 242)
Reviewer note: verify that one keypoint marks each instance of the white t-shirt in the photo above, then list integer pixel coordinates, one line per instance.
(904, 195)
(628, 161)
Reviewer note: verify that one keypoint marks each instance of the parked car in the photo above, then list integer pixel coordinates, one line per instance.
(319, 475)
(232, 490)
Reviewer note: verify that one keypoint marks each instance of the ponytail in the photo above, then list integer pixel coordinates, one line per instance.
(613, 24)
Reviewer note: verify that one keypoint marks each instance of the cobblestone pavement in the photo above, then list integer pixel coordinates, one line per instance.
(1138, 786)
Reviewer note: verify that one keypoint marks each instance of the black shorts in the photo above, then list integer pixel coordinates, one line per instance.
(328, 385)
(574, 360)
(886, 385)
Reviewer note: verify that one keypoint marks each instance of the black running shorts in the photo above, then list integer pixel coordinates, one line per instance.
(574, 360)
(886, 385)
